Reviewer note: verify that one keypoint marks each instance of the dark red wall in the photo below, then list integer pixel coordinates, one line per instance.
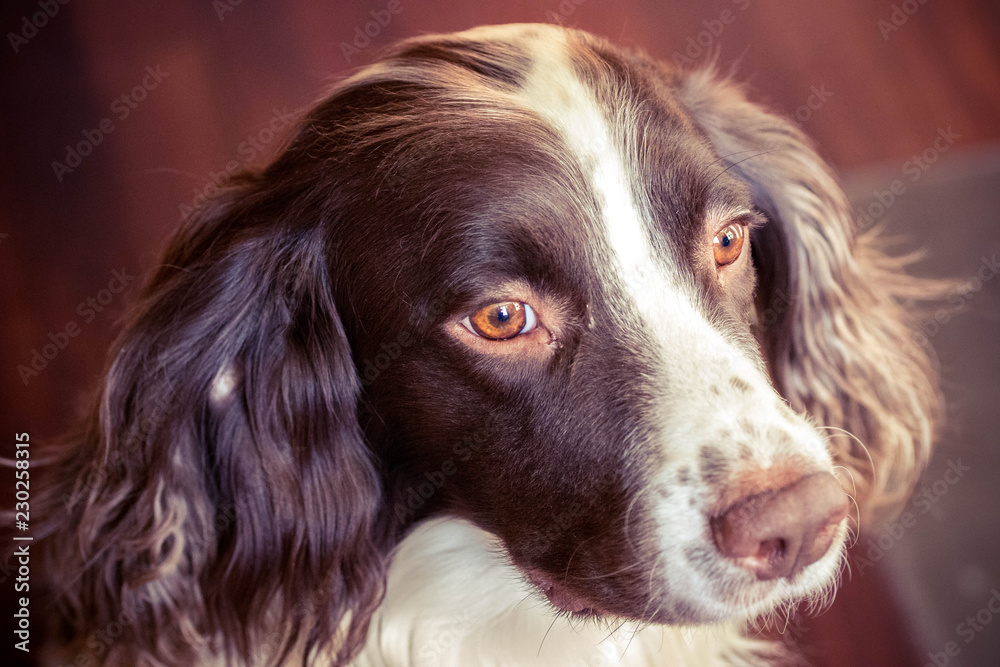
(883, 83)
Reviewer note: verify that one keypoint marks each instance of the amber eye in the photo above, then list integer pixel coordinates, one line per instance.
(500, 321)
(728, 244)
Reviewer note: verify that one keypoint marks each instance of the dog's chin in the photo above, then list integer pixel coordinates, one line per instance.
(736, 597)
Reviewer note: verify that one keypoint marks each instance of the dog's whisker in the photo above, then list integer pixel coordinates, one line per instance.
(569, 561)
(613, 631)
(857, 530)
(605, 575)
(864, 447)
(628, 512)
(526, 597)
(739, 162)
(542, 643)
(850, 475)
(853, 498)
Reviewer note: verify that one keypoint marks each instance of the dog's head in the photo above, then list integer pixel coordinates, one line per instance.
(610, 312)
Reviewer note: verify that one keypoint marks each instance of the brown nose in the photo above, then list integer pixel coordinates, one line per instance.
(779, 532)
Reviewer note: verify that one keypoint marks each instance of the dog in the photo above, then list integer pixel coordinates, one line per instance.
(525, 350)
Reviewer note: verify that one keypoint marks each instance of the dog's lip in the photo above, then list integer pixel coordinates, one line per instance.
(559, 595)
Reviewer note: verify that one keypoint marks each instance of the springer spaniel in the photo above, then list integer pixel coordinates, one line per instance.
(526, 350)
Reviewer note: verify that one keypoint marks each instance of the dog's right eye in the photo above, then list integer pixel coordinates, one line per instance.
(501, 321)
(728, 244)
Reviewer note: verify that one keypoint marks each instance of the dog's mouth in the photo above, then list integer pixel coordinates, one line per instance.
(738, 598)
(560, 596)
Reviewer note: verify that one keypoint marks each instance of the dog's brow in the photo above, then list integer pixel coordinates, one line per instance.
(720, 215)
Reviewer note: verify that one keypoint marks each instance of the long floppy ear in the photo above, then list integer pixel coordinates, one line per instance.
(222, 500)
(832, 306)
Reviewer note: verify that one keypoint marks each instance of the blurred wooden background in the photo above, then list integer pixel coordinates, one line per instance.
(882, 78)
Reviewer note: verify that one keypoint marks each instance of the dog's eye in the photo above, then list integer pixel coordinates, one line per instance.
(500, 321)
(728, 244)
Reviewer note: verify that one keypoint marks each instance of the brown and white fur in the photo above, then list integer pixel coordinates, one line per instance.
(302, 450)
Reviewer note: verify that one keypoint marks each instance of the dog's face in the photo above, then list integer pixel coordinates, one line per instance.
(595, 306)
(569, 262)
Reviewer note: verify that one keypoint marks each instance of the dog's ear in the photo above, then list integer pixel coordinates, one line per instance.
(832, 307)
(222, 500)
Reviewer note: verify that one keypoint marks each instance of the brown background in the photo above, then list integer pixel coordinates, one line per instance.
(229, 67)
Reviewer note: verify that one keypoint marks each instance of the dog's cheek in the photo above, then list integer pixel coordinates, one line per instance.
(434, 427)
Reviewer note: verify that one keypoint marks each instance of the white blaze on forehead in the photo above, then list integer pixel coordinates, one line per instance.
(655, 284)
(555, 92)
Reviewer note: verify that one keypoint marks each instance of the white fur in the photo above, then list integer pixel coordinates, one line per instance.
(454, 600)
(223, 384)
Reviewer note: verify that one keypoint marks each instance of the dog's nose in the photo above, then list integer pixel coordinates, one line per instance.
(779, 532)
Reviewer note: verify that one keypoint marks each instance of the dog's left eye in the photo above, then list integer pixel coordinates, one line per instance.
(501, 321)
(728, 244)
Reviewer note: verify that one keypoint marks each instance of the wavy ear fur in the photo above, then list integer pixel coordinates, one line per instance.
(832, 306)
(222, 500)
